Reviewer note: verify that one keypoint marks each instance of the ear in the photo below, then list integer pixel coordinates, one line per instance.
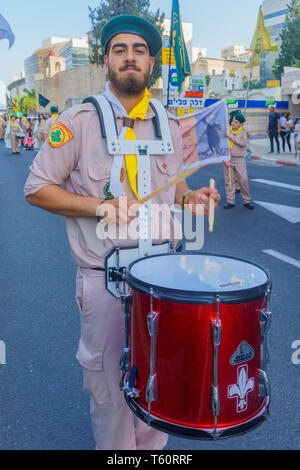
(106, 61)
(152, 63)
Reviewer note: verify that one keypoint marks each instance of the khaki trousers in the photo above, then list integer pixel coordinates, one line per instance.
(238, 174)
(14, 142)
(99, 352)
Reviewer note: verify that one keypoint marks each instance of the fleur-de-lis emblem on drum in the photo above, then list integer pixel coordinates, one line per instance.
(241, 389)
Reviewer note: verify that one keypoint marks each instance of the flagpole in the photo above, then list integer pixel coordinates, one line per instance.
(170, 57)
(249, 82)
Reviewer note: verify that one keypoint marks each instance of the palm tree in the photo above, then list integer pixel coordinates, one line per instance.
(26, 102)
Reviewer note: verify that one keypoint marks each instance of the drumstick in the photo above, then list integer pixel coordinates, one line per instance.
(211, 213)
(173, 181)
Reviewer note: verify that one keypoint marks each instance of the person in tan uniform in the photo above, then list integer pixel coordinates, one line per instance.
(38, 132)
(13, 130)
(49, 123)
(3, 125)
(76, 155)
(25, 124)
(238, 137)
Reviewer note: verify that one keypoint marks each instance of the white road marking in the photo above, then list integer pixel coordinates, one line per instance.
(282, 257)
(277, 183)
(289, 213)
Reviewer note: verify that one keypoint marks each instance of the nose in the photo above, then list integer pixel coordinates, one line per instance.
(130, 56)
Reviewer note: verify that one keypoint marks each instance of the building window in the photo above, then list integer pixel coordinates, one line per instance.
(57, 67)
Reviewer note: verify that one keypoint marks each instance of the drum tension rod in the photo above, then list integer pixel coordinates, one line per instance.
(151, 391)
(217, 330)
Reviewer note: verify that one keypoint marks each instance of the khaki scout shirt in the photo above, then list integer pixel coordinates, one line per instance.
(83, 165)
(240, 142)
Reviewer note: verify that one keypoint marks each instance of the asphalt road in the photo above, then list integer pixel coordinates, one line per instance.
(42, 403)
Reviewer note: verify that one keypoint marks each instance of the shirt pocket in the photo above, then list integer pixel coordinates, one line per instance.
(99, 174)
(166, 166)
(94, 376)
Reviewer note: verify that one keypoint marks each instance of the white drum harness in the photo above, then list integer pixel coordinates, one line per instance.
(118, 261)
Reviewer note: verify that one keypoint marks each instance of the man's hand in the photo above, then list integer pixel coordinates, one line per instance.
(120, 211)
(201, 198)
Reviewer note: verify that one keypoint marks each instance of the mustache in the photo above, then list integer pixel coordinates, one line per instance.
(130, 66)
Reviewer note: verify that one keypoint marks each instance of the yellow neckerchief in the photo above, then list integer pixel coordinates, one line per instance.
(138, 112)
(55, 115)
(14, 124)
(234, 132)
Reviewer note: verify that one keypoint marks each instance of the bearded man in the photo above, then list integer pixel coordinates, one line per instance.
(76, 156)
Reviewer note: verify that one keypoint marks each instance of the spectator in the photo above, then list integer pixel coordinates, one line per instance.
(274, 128)
(283, 130)
(296, 131)
(289, 128)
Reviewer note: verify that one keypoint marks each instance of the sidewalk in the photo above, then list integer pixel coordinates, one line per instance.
(260, 146)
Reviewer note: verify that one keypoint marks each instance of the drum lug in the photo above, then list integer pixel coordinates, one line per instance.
(264, 385)
(124, 360)
(151, 391)
(264, 389)
(265, 321)
(152, 321)
(152, 324)
(128, 387)
(217, 331)
(215, 401)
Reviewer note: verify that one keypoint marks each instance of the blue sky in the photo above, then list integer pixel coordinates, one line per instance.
(216, 24)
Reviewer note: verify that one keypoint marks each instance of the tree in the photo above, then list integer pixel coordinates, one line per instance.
(290, 39)
(27, 101)
(107, 9)
(254, 84)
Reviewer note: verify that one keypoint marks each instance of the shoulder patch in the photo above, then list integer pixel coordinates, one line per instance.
(59, 135)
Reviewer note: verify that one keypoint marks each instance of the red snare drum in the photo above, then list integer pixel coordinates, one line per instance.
(196, 359)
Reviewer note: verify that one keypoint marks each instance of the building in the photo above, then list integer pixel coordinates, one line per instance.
(198, 52)
(290, 83)
(274, 12)
(210, 66)
(227, 82)
(187, 29)
(16, 87)
(2, 96)
(74, 52)
(232, 51)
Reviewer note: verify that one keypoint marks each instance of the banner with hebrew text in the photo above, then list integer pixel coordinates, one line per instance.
(204, 135)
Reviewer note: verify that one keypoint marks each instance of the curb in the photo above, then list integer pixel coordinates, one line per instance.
(279, 162)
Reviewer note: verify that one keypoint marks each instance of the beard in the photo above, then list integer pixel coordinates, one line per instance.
(131, 84)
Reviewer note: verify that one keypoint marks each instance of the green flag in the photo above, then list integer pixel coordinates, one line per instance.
(183, 67)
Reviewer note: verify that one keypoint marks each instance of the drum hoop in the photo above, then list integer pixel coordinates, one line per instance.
(196, 433)
(203, 298)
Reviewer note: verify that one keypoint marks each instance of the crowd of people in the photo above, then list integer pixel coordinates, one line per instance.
(28, 131)
(282, 126)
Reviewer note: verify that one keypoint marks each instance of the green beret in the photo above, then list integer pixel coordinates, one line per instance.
(238, 116)
(54, 109)
(131, 24)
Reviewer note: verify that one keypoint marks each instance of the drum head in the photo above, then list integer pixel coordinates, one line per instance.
(199, 278)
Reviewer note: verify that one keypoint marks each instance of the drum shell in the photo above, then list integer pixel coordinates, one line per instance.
(185, 359)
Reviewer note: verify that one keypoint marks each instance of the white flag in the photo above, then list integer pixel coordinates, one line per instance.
(6, 32)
